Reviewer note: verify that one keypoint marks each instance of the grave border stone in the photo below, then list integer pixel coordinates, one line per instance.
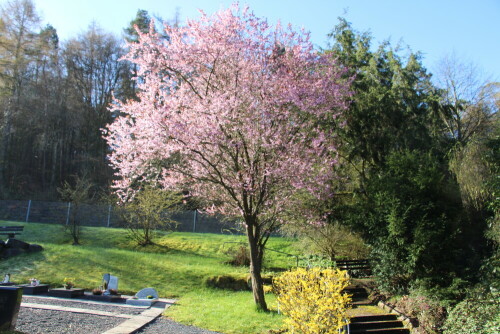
(10, 303)
(140, 298)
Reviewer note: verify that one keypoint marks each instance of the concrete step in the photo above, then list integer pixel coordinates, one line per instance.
(356, 292)
(372, 318)
(377, 324)
(384, 323)
(382, 331)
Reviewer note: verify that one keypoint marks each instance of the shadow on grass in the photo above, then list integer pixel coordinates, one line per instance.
(21, 263)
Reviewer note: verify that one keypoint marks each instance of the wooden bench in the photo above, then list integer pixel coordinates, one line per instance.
(11, 231)
(355, 268)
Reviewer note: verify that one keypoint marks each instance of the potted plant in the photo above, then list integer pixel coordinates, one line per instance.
(68, 283)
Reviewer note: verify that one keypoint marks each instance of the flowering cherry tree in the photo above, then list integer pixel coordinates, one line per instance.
(230, 109)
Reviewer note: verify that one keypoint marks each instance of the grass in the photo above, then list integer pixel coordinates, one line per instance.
(176, 267)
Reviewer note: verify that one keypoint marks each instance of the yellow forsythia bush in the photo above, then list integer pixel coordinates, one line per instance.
(312, 299)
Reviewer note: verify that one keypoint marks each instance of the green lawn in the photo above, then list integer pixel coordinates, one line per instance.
(177, 267)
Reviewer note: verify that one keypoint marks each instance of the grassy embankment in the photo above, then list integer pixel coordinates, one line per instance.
(177, 267)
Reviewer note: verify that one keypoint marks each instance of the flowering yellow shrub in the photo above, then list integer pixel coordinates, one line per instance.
(312, 299)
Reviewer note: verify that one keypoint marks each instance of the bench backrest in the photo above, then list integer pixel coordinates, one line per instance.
(357, 268)
(11, 231)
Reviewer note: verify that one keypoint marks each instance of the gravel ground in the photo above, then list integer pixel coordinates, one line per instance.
(166, 326)
(35, 321)
(39, 321)
(111, 307)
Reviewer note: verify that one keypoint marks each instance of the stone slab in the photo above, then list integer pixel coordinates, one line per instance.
(34, 290)
(104, 298)
(141, 302)
(132, 325)
(66, 293)
(76, 310)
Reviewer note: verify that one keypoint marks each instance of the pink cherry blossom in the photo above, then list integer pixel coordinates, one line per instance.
(232, 110)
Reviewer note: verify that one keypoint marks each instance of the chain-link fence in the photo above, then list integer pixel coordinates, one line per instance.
(103, 216)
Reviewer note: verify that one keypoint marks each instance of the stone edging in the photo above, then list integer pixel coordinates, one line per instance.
(408, 321)
(137, 322)
(75, 310)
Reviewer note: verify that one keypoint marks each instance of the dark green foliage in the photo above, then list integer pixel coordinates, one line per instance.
(141, 22)
(479, 316)
(391, 104)
(410, 220)
(397, 190)
(400, 201)
(491, 268)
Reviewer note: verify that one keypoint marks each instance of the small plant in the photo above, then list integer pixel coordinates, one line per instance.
(150, 297)
(239, 257)
(97, 291)
(151, 210)
(68, 283)
(227, 282)
(430, 314)
(313, 299)
(113, 292)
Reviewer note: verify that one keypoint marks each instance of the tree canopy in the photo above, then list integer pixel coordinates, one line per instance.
(229, 109)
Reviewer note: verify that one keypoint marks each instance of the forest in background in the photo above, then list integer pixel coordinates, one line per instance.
(54, 97)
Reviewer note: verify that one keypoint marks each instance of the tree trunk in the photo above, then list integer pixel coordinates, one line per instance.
(4, 143)
(256, 254)
(53, 166)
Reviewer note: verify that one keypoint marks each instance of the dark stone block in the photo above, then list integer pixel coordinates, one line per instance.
(66, 293)
(2, 244)
(29, 289)
(35, 248)
(10, 302)
(15, 243)
(105, 298)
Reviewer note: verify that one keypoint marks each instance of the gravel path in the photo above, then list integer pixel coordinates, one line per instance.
(166, 326)
(40, 321)
(111, 307)
(36, 321)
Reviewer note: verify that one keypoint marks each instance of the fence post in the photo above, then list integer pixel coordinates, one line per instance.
(28, 212)
(67, 216)
(194, 220)
(109, 214)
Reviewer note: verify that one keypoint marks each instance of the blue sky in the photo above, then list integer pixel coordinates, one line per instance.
(468, 28)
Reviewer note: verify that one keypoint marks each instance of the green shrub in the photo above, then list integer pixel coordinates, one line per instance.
(430, 314)
(239, 257)
(479, 316)
(410, 222)
(447, 294)
(227, 282)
